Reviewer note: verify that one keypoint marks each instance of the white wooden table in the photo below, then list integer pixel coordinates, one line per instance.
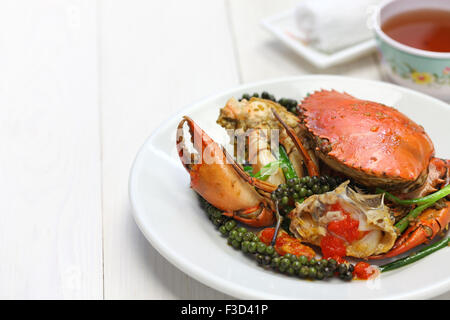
(82, 84)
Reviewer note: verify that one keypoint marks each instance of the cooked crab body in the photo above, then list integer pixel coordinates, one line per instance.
(372, 143)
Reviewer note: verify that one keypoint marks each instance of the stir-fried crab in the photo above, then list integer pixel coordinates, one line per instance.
(373, 144)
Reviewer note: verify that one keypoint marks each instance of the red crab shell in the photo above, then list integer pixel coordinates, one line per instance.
(373, 143)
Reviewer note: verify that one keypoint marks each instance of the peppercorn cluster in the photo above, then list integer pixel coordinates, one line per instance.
(296, 189)
(289, 104)
(266, 256)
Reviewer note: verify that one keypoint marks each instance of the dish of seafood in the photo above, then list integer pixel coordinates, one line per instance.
(314, 183)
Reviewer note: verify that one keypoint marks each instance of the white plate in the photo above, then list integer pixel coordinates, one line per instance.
(167, 211)
(283, 27)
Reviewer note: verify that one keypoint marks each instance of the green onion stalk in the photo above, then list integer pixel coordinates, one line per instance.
(416, 256)
(289, 173)
(422, 204)
(431, 198)
(286, 165)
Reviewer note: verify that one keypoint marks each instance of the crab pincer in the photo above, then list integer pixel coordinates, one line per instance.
(429, 224)
(221, 181)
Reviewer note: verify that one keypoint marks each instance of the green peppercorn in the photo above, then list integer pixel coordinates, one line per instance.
(315, 188)
(252, 247)
(303, 192)
(261, 247)
(236, 244)
(320, 275)
(347, 276)
(342, 268)
(267, 260)
(332, 263)
(275, 262)
(216, 214)
(223, 230)
(270, 250)
(290, 271)
(303, 272)
(284, 200)
(232, 235)
(248, 236)
(296, 265)
(351, 268)
(312, 272)
(242, 229)
(285, 262)
(312, 262)
(230, 225)
(328, 272)
(244, 246)
(239, 236)
(217, 221)
(319, 264)
(303, 260)
(323, 180)
(259, 258)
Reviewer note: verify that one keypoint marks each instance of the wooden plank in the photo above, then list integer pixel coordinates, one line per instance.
(156, 57)
(262, 56)
(50, 227)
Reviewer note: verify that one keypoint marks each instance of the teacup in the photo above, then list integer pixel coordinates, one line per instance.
(422, 70)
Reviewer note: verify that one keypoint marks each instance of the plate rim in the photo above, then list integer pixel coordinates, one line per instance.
(208, 279)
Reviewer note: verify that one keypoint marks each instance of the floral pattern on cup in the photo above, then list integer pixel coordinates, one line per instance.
(406, 71)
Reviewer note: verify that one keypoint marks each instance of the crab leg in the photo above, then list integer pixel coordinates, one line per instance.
(221, 181)
(262, 218)
(429, 224)
(310, 165)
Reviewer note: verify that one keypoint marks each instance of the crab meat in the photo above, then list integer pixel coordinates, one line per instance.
(355, 224)
(256, 115)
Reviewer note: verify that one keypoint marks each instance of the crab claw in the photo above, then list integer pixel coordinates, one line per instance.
(221, 181)
(429, 224)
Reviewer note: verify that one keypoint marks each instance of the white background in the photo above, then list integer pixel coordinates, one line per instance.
(82, 84)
